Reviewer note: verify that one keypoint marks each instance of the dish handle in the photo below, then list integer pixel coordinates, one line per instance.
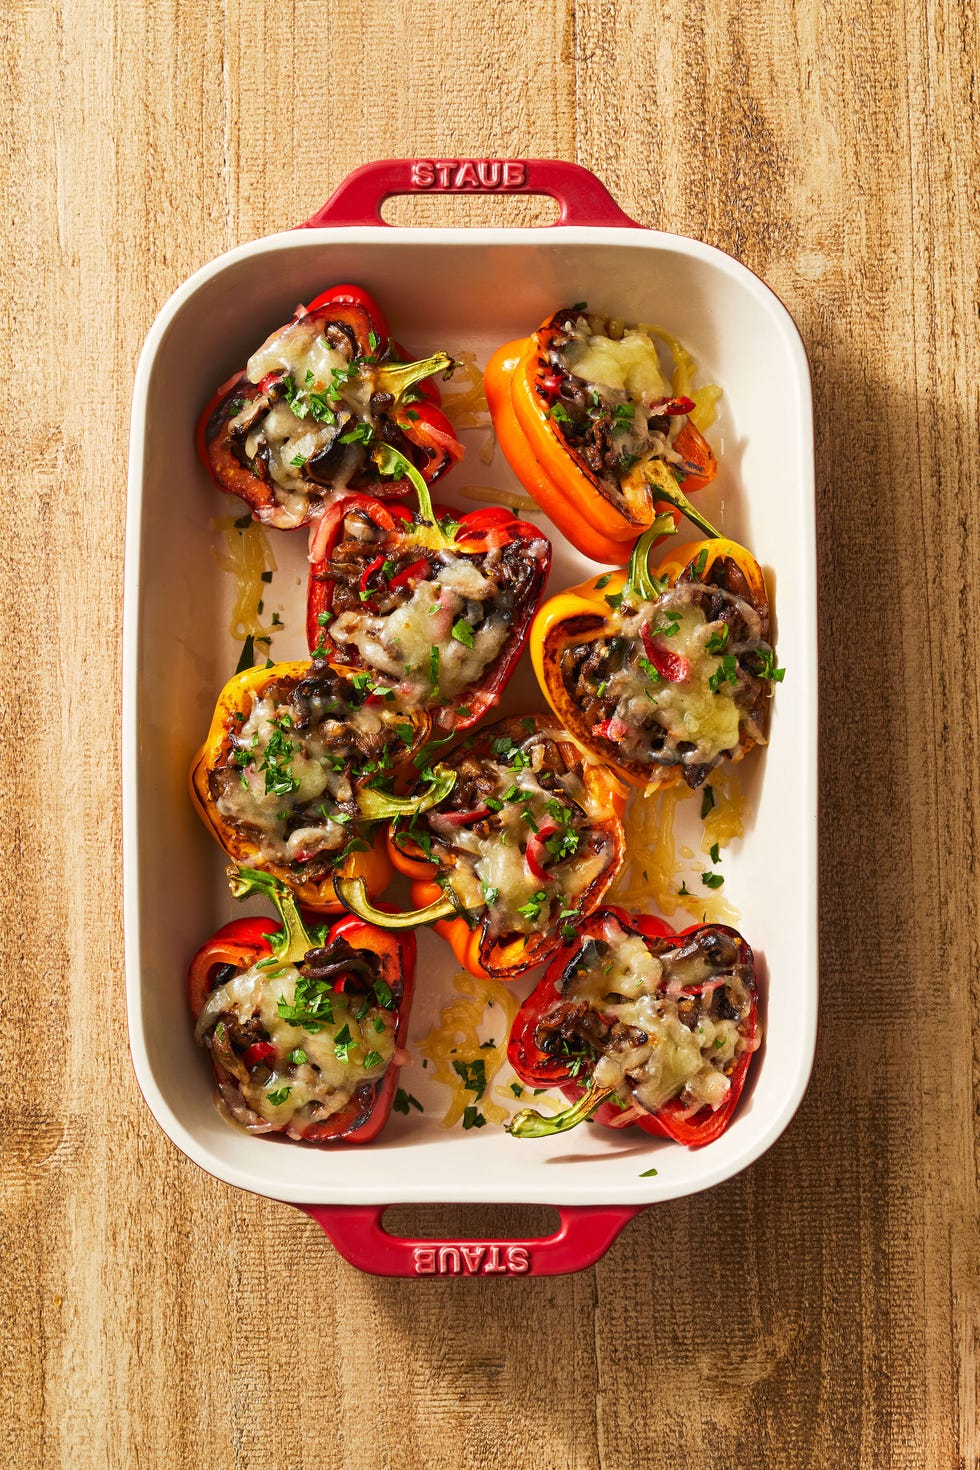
(581, 198)
(586, 1233)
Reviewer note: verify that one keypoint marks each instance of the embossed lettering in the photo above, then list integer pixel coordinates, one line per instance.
(489, 172)
(466, 177)
(494, 1265)
(423, 174)
(425, 1261)
(518, 1259)
(449, 1259)
(473, 1255)
(444, 173)
(515, 174)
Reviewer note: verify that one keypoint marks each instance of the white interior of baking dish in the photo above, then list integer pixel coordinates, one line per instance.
(459, 290)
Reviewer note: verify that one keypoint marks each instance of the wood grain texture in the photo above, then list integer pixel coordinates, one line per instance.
(821, 1309)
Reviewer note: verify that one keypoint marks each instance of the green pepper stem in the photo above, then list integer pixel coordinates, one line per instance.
(639, 582)
(529, 1124)
(397, 377)
(295, 941)
(353, 894)
(393, 463)
(379, 806)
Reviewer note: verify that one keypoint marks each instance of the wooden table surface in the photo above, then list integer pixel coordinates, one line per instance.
(818, 1310)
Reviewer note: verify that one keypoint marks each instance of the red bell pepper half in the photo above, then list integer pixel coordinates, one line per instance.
(296, 428)
(637, 1024)
(438, 610)
(305, 1030)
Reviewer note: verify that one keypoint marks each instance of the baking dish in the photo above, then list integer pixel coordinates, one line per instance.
(460, 289)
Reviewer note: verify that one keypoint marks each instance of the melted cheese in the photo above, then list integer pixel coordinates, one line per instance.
(630, 366)
(638, 989)
(325, 1079)
(307, 761)
(399, 644)
(691, 711)
(479, 1006)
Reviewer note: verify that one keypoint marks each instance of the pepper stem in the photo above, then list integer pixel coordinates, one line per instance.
(640, 583)
(397, 377)
(292, 947)
(397, 466)
(379, 806)
(530, 1124)
(665, 487)
(353, 894)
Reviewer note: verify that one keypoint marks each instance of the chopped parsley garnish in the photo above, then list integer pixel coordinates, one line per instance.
(727, 674)
(648, 1173)
(359, 434)
(707, 802)
(434, 668)
(404, 1100)
(490, 894)
(247, 659)
(718, 640)
(713, 853)
(279, 1096)
(472, 1118)
(532, 909)
(603, 581)
(614, 600)
(667, 630)
(701, 563)
(298, 1057)
(243, 523)
(462, 632)
(311, 1006)
(298, 461)
(473, 1076)
(371, 1060)
(712, 880)
(266, 576)
(651, 671)
(382, 994)
(343, 1042)
(767, 666)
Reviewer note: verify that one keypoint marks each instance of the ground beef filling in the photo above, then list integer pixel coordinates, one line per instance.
(513, 816)
(614, 423)
(435, 632)
(654, 1018)
(698, 721)
(293, 763)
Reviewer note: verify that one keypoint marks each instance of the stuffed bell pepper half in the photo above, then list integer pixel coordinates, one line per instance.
(662, 676)
(638, 1025)
(435, 610)
(303, 422)
(529, 839)
(591, 428)
(300, 767)
(305, 1031)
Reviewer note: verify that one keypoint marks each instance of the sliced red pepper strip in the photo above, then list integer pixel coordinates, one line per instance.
(536, 854)
(245, 943)
(422, 535)
(559, 1068)
(673, 667)
(597, 512)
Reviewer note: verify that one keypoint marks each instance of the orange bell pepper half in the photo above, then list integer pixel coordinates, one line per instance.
(542, 422)
(661, 676)
(297, 772)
